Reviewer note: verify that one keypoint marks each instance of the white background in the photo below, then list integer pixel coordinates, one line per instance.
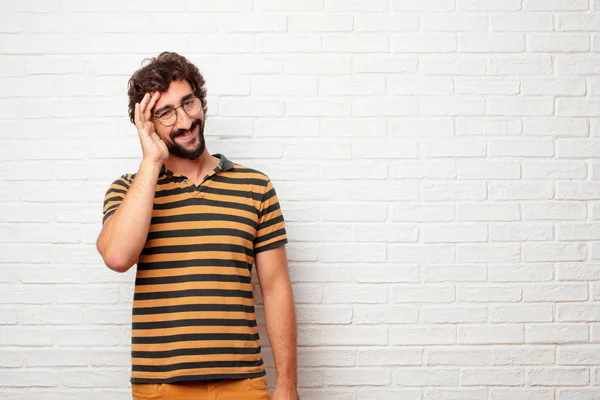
(436, 161)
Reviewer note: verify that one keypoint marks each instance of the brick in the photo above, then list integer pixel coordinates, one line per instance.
(521, 232)
(554, 376)
(578, 108)
(520, 313)
(28, 378)
(487, 212)
(384, 314)
(578, 272)
(355, 5)
(426, 377)
(457, 355)
(524, 190)
(520, 272)
(458, 64)
(488, 86)
(390, 356)
(573, 127)
(393, 149)
(423, 335)
(385, 274)
(453, 233)
(352, 293)
(578, 394)
(492, 253)
(454, 22)
(558, 42)
(493, 334)
(430, 253)
(521, 107)
(423, 43)
(566, 190)
(491, 42)
(385, 191)
(488, 5)
(578, 355)
(459, 147)
(384, 233)
(425, 5)
(425, 294)
(492, 377)
(479, 294)
(577, 65)
(521, 394)
(554, 211)
(421, 169)
(422, 213)
(553, 169)
(522, 355)
(359, 377)
(522, 22)
(507, 65)
(577, 312)
(355, 43)
(354, 335)
(555, 5)
(381, 106)
(378, 22)
(454, 273)
(452, 107)
(352, 253)
(326, 357)
(443, 191)
(488, 169)
(454, 314)
(554, 86)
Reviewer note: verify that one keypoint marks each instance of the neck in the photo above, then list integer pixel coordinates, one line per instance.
(193, 169)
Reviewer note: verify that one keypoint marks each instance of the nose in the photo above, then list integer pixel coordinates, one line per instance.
(183, 120)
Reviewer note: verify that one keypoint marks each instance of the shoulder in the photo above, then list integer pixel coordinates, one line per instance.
(124, 181)
(246, 175)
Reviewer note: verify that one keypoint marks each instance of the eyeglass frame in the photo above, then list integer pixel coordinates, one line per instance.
(176, 113)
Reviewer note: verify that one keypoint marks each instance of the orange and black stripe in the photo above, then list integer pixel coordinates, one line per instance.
(193, 310)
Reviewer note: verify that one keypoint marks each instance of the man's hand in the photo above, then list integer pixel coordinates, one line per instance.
(285, 393)
(154, 149)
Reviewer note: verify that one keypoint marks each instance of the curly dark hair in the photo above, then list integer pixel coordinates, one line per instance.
(158, 74)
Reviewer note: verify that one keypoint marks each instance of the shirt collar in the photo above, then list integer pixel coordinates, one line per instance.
(224, 165)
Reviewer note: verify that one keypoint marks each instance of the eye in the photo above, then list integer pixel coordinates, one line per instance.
(166, 113)
(188, 102)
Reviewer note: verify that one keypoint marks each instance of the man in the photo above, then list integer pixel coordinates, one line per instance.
(195, 224)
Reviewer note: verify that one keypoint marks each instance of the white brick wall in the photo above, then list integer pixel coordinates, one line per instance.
(436, 162)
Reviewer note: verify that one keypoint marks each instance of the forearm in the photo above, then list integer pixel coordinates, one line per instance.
(281, 327)
(124, 234)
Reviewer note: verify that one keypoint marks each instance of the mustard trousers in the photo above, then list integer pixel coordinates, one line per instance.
(239, 389)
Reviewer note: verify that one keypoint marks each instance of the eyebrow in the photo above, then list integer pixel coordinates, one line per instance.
(165, 107)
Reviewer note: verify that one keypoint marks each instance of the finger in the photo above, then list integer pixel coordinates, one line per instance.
(151, 103)
(143, 104)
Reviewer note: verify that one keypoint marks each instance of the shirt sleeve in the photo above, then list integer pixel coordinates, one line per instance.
(114, 196)
(271, 226)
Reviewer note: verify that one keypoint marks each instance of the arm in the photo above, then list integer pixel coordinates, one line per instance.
(274, 280)
(124, 233)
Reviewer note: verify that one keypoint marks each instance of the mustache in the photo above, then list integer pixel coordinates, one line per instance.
(180, 132)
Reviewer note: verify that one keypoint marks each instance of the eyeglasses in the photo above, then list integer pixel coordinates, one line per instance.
(168, 116)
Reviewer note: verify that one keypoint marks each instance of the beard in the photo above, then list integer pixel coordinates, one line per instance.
(180, 151)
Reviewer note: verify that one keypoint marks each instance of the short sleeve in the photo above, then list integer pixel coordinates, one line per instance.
(115, 195)
(271, 226)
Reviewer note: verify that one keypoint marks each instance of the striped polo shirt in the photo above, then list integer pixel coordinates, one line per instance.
(193, 309)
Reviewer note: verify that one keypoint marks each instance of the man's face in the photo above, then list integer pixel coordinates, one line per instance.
(185, 138)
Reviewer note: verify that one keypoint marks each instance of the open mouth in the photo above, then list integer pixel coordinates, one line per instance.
(188, 135)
